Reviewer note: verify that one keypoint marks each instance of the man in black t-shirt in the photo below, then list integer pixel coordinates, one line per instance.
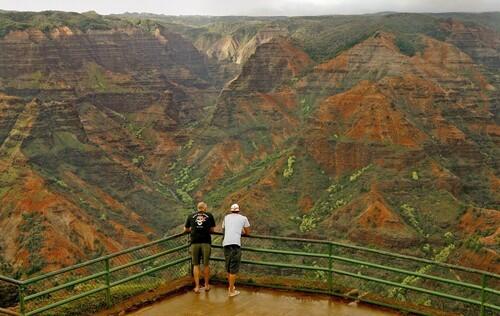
(200, 224)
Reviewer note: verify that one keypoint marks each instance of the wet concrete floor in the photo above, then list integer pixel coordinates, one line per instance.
(253, 302)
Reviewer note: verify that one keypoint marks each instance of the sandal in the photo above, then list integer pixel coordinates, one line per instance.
(234, 293)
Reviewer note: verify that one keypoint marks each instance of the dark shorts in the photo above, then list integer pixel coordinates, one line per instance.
(200, 251)
(232, 253)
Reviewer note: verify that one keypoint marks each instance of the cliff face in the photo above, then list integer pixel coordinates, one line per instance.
(106, 64)
(283, 62)
(384, 135)
(481, 43)
(251, 97)
(43, 228)
(414, 102)
(237, 49)
(483, 46)
(109, 137)
(83, 162)
(118, 51)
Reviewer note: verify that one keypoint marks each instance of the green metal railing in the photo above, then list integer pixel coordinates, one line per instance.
(406, 283)
(100, 283)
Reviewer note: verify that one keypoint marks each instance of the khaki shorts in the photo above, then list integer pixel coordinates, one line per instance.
(200, 251)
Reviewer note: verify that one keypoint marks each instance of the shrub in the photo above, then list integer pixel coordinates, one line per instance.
(409, 214)
(288, 172)
(473, 243)
(358, 173)
(414, 175)
(308, 223)
(138, 161)
(409, 44)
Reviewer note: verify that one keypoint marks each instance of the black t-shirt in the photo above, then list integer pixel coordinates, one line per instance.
(200, 224)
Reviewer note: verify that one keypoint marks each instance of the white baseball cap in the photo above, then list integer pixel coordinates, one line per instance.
(235, 208)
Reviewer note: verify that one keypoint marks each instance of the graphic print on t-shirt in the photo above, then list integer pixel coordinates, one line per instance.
(200, 219)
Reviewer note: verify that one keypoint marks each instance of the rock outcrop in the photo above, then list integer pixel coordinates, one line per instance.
(109, 136)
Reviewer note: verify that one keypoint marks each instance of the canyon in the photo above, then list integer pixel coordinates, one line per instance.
(380, 130)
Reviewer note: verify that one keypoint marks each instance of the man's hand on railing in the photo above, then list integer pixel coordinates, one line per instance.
(246, 231)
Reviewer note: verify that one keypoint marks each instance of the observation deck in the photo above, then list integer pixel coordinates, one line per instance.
(257, 301)
(279, 276)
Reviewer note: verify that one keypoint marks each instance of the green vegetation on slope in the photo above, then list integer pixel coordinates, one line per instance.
(288, 184)
(325, 37)
(48, 20)
(31, 238)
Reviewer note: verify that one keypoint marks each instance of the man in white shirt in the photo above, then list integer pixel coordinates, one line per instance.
(234, 225)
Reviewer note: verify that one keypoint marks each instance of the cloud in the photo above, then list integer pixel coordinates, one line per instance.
(254, 7)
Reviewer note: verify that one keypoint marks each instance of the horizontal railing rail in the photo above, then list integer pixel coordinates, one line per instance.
(378, 280)
(375, 251)
(100, 281)
(483, 302)
(100, 259)
(368, 264)
(116, 270)
(8, 312)
(10, 280)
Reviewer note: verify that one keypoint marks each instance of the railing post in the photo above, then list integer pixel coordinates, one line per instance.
(483, 293)
(108, 283)
(330, 267)
(22, 305)
(188, 240)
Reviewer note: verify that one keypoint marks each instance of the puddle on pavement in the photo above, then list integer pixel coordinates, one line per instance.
(255, 302)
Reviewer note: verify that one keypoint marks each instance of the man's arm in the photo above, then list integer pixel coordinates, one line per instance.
(212, 224)
(222, 224)
(187, 226)
(246, 227)
(246, 230)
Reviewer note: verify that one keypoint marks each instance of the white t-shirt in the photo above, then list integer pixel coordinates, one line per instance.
(233, 225)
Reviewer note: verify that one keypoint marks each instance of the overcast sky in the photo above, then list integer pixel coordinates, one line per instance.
(253, 7)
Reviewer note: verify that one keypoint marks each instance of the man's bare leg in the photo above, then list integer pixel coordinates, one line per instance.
(196, 276)
(232, 280)
(206, 274)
